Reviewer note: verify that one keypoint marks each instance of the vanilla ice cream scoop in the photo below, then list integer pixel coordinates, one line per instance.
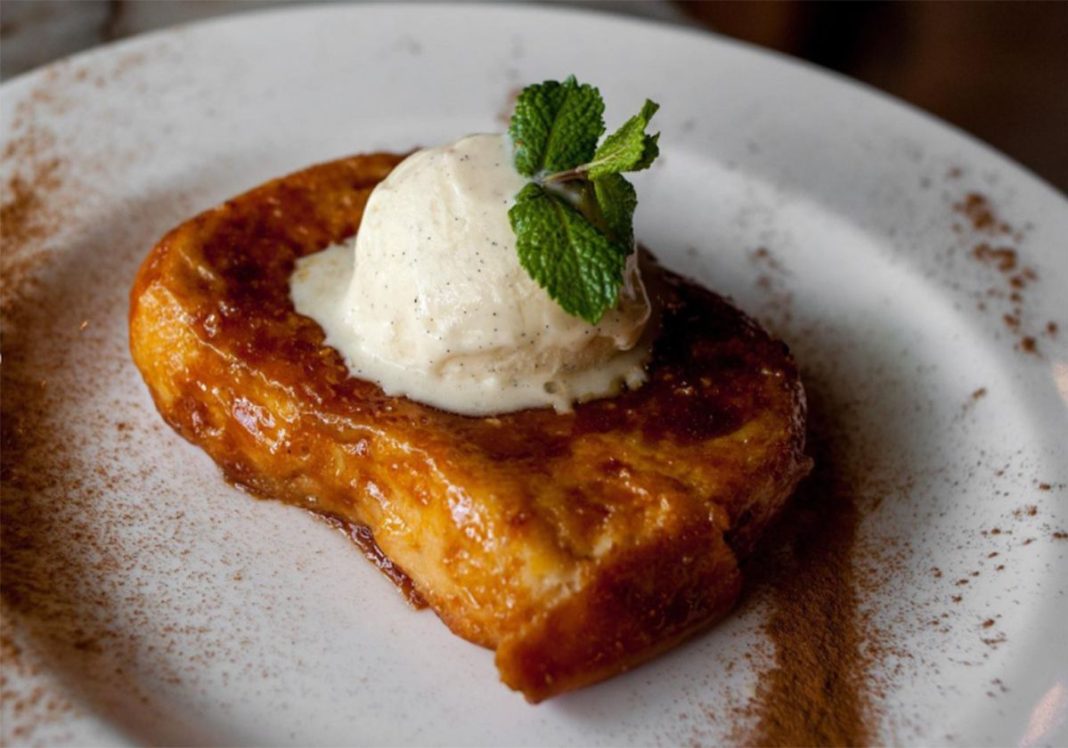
(432, 302)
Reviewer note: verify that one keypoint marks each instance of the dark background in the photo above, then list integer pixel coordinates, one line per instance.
(998, 70)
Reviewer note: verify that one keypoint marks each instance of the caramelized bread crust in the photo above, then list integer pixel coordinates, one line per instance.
(575, 545)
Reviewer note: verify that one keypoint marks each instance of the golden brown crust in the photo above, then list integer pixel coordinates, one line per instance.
(576, 545)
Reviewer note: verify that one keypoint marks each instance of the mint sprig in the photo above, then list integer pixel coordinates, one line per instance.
(574, 221)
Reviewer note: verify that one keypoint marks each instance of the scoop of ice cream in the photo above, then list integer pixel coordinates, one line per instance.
(439, 309)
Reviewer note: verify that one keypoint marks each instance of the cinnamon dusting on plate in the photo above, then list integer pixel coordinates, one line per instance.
(55, 620)
(996, 246)
(818, 691)
(820, 688)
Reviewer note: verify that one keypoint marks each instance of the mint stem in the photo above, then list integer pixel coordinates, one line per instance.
(578, 192)
(579, 172)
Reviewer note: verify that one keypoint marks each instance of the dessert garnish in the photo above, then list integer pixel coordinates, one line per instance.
(574, 220)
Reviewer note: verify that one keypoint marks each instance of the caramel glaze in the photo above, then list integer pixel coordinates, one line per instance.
(577, 545)
(362, 537)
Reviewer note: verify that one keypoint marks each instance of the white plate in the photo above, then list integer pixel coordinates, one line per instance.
(147, 601)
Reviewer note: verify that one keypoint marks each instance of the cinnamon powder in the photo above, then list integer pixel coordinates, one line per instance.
(984, 225)
(816, 693)
(819, 688)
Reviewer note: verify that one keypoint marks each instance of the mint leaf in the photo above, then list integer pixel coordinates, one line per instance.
(578, 266)
(555, 126)
(616, 201)
(629, 148)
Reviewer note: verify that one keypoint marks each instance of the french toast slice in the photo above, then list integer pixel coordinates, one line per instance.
(576, 545)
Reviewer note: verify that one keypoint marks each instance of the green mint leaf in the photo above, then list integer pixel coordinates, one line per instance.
(555, 126)
(578, 266)
(616, 201)
(629, 148)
